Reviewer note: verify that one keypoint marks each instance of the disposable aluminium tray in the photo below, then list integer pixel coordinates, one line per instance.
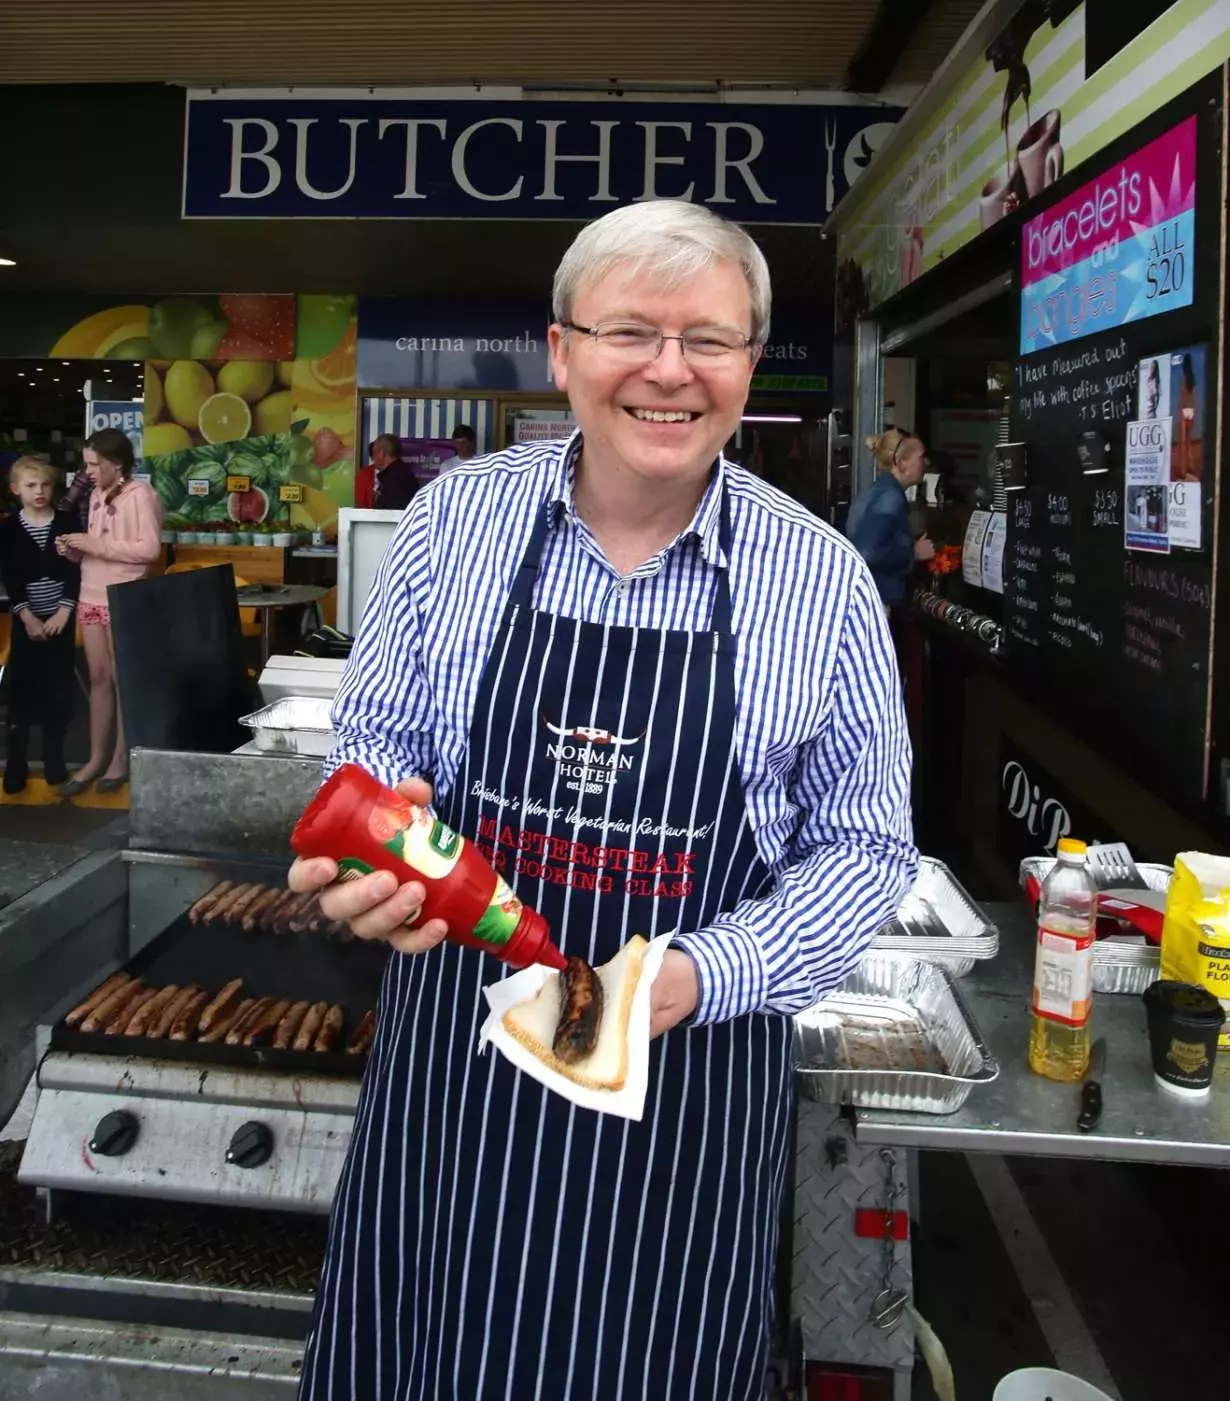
(1117, 967)
(293, 725)
(896, 1035)
(938, 921)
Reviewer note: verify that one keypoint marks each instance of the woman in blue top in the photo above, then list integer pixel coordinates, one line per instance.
(879, 521)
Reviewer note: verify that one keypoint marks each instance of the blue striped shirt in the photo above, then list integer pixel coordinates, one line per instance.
(822, 744)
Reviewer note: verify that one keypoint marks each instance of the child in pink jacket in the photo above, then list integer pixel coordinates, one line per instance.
(121, 544)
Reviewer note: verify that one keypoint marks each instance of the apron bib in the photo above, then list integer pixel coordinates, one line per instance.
(488, 1239)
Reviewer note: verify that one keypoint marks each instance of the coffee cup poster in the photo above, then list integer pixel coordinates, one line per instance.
(1024, 116)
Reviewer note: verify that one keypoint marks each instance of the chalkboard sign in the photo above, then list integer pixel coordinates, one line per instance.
(1119, 638)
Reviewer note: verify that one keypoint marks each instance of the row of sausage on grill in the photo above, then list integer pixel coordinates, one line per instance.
(125, 1006)
(268, 907)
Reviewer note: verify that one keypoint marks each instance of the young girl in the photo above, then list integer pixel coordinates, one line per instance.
(42, 589)
(122, 542)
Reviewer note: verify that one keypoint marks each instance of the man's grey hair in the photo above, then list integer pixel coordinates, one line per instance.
(669, 240)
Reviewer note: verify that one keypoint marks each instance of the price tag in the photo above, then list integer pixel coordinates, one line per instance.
(292, 492)
(239, 483)
(199, 486)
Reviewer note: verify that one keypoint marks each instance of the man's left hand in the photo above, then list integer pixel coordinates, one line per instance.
(675, 993)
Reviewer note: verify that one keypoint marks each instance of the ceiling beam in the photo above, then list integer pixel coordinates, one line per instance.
(893, 25)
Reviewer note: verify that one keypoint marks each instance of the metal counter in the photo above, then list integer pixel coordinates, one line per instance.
(1023, 1113)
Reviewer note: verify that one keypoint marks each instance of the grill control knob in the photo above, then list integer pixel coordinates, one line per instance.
(252, 1145)
(115, 1133)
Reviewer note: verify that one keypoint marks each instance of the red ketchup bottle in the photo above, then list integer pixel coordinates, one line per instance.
(364, 826)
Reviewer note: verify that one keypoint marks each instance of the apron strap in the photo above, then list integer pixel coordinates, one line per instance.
(521, 595)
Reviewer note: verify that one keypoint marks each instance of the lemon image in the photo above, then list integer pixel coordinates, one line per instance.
(186, 388)
(272, 414)
(154, 402)
(286, 373)
(250, 379)
(164, 437)
(224, 418)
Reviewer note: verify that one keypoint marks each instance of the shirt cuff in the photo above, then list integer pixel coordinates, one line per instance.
(734, 981)
(20, 608)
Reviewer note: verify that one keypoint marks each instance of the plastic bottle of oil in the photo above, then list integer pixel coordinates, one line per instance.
(1063, 969)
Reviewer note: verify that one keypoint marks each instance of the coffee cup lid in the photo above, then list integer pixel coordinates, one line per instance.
(1185, 1003)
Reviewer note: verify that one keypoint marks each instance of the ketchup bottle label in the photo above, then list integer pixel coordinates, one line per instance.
(426, 844)
(499, 919)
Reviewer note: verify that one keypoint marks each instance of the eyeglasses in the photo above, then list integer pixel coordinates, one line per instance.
(638, 343)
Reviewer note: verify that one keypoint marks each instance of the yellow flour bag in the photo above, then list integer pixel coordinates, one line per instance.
(1196, 934)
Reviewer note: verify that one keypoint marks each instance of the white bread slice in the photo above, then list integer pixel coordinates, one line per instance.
(533, 1023)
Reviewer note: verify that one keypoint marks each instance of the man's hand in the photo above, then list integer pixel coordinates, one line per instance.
(924, 549)
(675, 993)
(33, 625)
(58, 621)
(374, 906)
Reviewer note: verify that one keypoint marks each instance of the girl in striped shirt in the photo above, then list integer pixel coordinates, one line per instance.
(42, 588)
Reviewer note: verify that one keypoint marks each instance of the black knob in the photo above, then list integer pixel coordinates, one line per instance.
(251, 1146)
(115, 1133)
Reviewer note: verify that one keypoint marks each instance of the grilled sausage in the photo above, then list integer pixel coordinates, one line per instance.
(99, 1018)
(222, 910)
(288, 911)
(300, 922)
(160, 1025)
(261, 1030)
(239, 1029)
(236, 912)
(310, 1026)
(209, 899)
(100, 994)
(265, 901)
(270, 917)
(224, 1024)
(576, 1032)
(225, 1000)
(118, 1025)
(289, 1025)
(149, 1009)
(118, 1020)
(330, 1029)
(186, 1022)
(361, 1037)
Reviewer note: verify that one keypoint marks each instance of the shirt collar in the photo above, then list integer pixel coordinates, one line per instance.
(705, 526)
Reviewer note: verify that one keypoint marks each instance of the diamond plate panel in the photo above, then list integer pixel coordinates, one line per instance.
(835, 1274)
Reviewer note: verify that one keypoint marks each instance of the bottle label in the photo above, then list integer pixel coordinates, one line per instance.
(1063, 976)
(426, 844)
(500, 918)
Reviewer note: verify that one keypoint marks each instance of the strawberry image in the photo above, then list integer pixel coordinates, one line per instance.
(258, 327)
(327, 448)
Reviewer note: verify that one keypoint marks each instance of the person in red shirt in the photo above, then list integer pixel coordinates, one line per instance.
(387, 483)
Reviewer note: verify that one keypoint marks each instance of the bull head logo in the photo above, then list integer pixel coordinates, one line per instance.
(586, 734)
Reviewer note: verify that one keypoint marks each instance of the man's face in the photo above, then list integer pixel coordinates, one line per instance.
(613, 398)
(381, 455)
(463, 447)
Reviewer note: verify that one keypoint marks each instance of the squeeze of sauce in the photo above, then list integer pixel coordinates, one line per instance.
(364, 826)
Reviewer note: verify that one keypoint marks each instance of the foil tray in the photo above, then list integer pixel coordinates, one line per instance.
(938, 921)
(896, 1035)
(293, 725)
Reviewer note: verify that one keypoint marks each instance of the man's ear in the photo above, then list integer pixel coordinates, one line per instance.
(557, 349)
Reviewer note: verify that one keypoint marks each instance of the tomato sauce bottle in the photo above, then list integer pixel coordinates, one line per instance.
(364, 826)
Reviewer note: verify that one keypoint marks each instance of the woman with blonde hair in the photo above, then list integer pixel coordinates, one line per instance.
(122, 542)
(879, 523)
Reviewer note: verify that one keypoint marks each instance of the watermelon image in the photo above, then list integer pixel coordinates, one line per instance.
(247, 507)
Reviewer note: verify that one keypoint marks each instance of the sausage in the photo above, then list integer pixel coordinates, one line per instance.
(270, 917)
(245, 902)
(576, 1032)
(330, 1029)
(211, 896)
(222, 910)
(186, 1022)
(148, 1011)
(310, 1026)
(255, 912)
(161, 1023)
(239, 1029)
(293, 907)
(222, 1025)
(100, 994)
(361, 1037)
(262, 1029)
(118, 1025)
(221, 1004)
(289, 1025)
(299, 922)
(105, 1010)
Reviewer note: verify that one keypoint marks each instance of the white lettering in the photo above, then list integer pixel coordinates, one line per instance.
(238, 155)
(653, 159)
(412, 125)
(552, 159)
(722, 162)
(302, 125)
(459, 159)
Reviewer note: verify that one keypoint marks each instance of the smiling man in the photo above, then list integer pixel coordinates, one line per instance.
(664, 697)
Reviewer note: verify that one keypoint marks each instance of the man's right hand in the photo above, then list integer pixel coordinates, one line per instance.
(924, 549)
(374, 906)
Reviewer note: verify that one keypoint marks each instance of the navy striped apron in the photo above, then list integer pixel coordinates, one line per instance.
(488, 1239)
